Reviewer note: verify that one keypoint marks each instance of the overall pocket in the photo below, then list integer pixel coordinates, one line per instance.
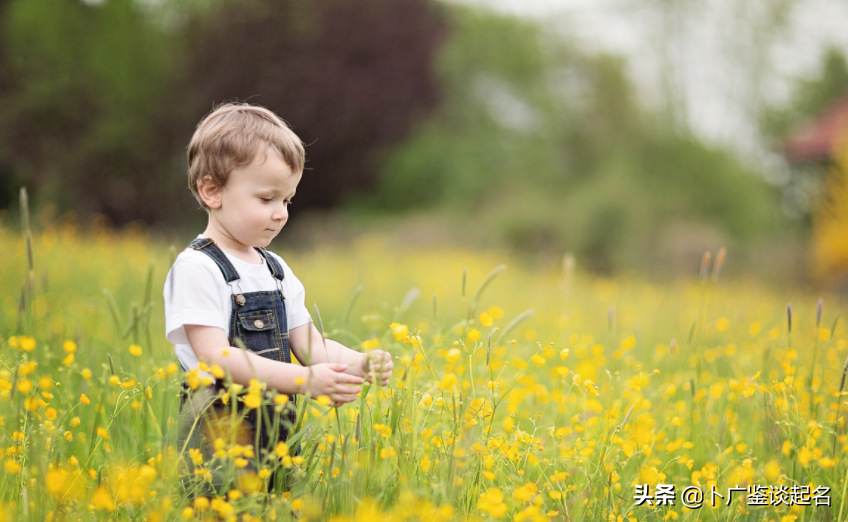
(257, 329)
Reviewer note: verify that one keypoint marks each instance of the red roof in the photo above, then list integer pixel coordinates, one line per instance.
(814, 141)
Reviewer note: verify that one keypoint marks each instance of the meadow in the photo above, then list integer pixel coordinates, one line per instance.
(519, 392)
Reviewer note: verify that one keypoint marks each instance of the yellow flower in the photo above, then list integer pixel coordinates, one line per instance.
(69, 436)
(26, 343)
(323, 400)
(495, 312)
(135, 349)
(25, 386)
(86, 373)
(297, 504)
(453, 355)
(75, 422)
(399, 330)
(370, 344)
(102, 433)
(473, 334)
(485, 319)
(281, 399)
(84, 399)
(69, 346)
(103, 500)
(241, 462)
(26, 369)
(754, 329)
(538, 359)
(68, 360)
(11, 466)
(187, 513)
(252, 400)
(282, 449)
(114, 380)
(722, 324)
(201, 504)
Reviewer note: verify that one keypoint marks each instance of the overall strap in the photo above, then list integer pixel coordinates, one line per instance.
(208, 247)
(273, 265)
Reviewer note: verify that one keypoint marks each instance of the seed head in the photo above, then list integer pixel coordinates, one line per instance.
(705, 265)
(719, 261)
(789, 317)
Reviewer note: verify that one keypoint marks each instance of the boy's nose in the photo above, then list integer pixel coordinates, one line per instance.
(281, 213)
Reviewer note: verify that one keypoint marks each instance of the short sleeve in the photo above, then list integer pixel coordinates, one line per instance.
(192, 296)
(296, 312)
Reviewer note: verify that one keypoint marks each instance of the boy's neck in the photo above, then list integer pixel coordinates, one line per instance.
(231, 246)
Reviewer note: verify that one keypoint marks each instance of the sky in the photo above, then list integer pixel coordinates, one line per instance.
(707, 52)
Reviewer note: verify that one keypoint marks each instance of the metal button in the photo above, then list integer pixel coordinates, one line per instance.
(240, 300)
(258, 323)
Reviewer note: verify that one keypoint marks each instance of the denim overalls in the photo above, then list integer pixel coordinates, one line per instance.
(258, 319)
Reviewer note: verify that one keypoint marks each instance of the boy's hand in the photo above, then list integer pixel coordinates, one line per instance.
(379, 364)
(329, 379)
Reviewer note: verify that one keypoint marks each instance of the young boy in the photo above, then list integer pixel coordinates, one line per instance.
(244, 164)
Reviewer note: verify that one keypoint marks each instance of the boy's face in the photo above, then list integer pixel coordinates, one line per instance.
(252, 207)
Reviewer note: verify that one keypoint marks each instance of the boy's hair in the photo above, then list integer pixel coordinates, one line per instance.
(230, 137)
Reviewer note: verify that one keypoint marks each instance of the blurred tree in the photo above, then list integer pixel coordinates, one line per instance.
(350, 76)
(546, 147)
(809, 97)
(81, 86)
(98, 100)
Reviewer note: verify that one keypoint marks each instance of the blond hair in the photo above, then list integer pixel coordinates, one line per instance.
(230, 137)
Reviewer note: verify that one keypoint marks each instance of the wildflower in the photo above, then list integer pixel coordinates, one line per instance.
(26, 343)
(84, 399)
(102, 433)
(252, 400)
(370, 344)
(382, 429)
(281, 399)
(68, 360)
(25, 386)
(86, 373)
(453, 355)
(474, 334)
(722, 324)
(114, 380)
(426, 400)
(495, 312)
(26, 369)
(201, 504)
(135, 350)
(485, 319)
(282, 449)
(399, 331)
(538, 359)
(11, 466)
(492, 502)
(69, 346)
(187, 513)
(323, 400)
(102, 500)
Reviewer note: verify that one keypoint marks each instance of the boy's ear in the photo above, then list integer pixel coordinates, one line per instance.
(209, 192)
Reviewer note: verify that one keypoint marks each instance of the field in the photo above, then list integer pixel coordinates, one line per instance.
(518, 394)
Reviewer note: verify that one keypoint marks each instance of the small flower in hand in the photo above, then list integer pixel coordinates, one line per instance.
(379, 364)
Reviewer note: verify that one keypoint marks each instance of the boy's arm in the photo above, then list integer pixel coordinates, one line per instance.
(210, 344)
(329, 351)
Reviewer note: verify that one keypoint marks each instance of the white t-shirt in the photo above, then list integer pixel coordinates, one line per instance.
(196, 293)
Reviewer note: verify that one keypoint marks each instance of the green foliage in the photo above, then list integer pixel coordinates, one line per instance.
(547, 147)
(87, 84)
(809, 97)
